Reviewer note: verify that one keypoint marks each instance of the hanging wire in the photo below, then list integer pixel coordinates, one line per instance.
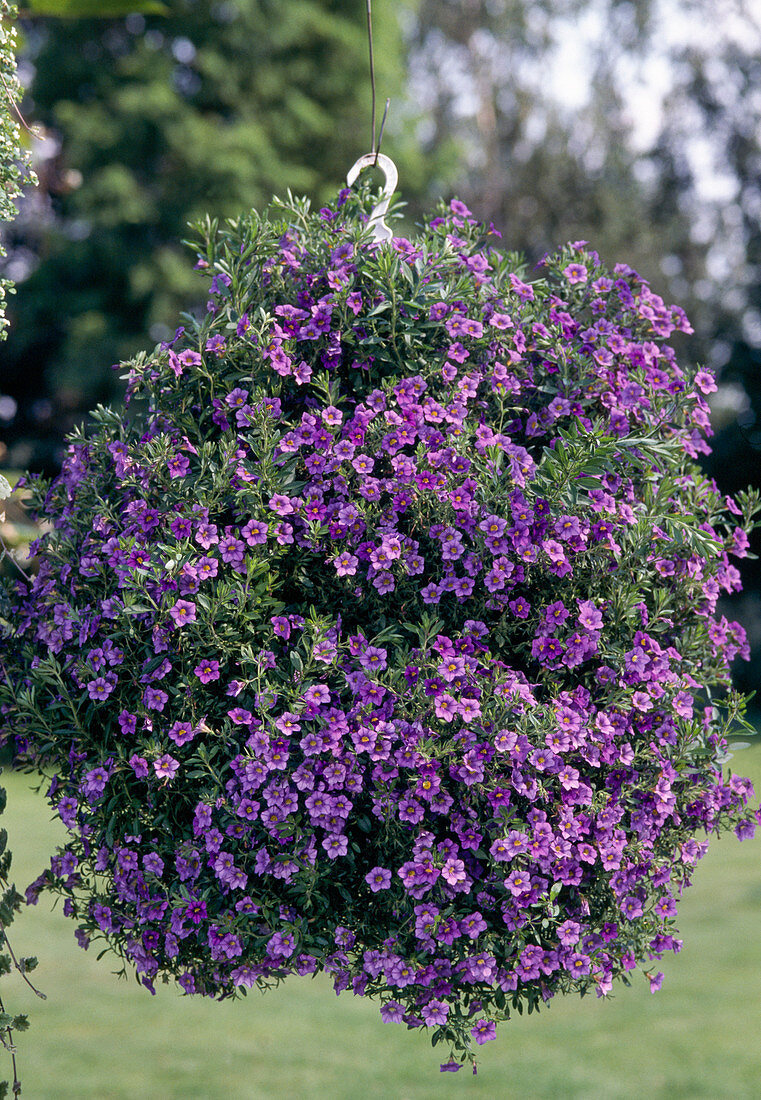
(374, 159)
(374, 148)
(372, 69)
(383, 123)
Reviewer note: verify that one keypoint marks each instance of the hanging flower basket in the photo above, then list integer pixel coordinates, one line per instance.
(381, 639)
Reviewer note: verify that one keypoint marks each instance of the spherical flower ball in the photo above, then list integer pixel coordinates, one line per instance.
(377, 638)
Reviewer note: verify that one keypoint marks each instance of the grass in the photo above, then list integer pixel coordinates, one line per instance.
(97, 1038)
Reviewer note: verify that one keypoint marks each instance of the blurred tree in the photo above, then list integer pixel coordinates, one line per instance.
(534, 95)
(717, 94)
(14, 161)
(151, 122)
(632, 124)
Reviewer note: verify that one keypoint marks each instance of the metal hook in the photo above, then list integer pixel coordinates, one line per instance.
(381, 231)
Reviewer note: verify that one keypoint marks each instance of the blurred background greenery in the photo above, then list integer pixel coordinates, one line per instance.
(97, 1038)
(634, 124)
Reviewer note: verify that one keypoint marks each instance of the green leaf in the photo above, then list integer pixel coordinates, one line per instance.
(95, 9)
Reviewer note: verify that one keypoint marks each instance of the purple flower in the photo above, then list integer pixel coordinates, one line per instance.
(631, 907)
(100, 689)
(237, 398)
(155, 699)
(589, 616)
(346, 564)
(378, 879)
(206, 568)
(325, 652)
(575, 273)
(520, 608)
(240, 716)
(281, 504)
(206, 535)
(518, 883)
(231, 550)
(190, 358)
(484, 1030)
(460, 209)
(374, 658)
(184, 611)
(139, 766)
(578, 964)
(178, 465)
(445, 707)
(281, 627)
(434, 1013)
(469, 709)
(335, 845)
(705, 382)
(182, 528)
(207, 671)
(453, 872)
(431, 593)
(282, 945)
(153, 864)
(166, 766)
(392, 1012)
(94, 782)
(384, 582)
(216, 345)
(656, 981)
(473, 925)
(255, 532)
(181, 733)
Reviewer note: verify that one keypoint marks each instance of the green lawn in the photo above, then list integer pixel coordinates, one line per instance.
(97, 1038)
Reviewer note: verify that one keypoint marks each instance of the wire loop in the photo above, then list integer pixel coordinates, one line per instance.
(381, 231)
